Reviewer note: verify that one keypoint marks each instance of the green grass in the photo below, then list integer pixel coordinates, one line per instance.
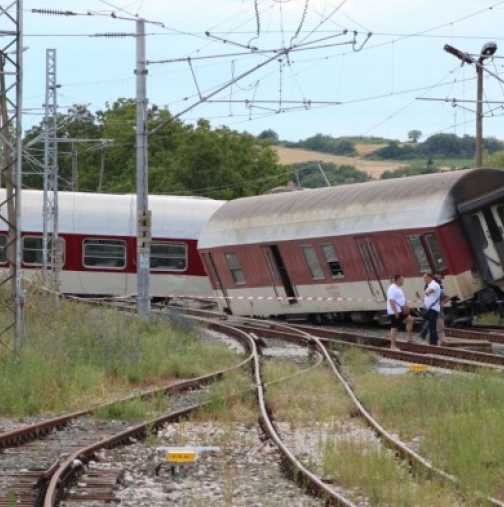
(75, 354)
(135, 410)
(311, 397)
(362, 467)
(457, 418)
(369, 470)
(231, 400)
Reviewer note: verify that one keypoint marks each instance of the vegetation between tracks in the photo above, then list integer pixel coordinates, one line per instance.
(75, 354)
(344, 451)
(455, 420)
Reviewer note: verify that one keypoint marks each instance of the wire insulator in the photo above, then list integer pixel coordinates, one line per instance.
(111, 35)
(53, 12)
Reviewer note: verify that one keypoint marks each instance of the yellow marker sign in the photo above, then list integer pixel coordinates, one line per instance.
(418, 368)
(181, 456)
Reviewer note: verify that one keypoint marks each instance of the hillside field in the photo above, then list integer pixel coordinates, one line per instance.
(375, 168)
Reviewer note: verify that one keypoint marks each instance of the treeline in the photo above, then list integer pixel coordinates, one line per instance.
(437, 145)
(324, 143)
(183, 159)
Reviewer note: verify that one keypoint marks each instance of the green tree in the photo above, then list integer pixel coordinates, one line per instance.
(268, 135)
(414, 135)
(327, 144)
(183, 158)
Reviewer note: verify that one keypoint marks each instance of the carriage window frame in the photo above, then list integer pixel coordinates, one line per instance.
(425, 253)
(332, 259)
(235, 268)
(435, 242)
(107, 268)
(170, 243)
(41, 238)
(316, 271)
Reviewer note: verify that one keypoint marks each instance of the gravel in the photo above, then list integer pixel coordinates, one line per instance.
(245, 472)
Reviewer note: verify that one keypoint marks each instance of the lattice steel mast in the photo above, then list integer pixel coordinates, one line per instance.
(50, 261)
(11, 103)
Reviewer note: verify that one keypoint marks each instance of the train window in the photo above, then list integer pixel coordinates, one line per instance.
(105, 253)
(313, 263)
(33, 250)
(435, 252)
(332, 261)
(168, 256)
(3, 249)
(420, 253)
(235, 268)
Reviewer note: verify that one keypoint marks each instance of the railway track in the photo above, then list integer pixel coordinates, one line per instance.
(493, 335)
(301, 334)
(246, 331)
(419, 353)
(65, 472)
(39, 462)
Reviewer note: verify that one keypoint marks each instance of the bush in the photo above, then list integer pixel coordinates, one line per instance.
(496, 160)
(328, 144)
(395, 151)
(310, 177)
(409, 171)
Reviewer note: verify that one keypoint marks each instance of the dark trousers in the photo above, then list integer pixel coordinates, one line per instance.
(430, 325)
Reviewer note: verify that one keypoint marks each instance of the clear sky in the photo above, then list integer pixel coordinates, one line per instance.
(377, 85)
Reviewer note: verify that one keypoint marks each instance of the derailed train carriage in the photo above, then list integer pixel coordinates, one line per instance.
(98, 243)
(331, 252)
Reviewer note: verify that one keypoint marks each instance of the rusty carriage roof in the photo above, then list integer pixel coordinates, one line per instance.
(393, 204)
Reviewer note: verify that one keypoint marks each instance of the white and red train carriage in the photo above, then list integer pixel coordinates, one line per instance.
(334, 250)
(98, 233)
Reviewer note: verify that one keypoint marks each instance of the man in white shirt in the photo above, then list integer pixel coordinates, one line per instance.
(397, 310)
(432, 304)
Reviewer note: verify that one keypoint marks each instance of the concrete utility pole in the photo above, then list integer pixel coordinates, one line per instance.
(487, 51)
(11, 105)
(142, 173)
(50, 234)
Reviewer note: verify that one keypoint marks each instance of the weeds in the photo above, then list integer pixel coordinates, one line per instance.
(302, 399)
(367, 469)
(75, 353)
(457, 420)
(231, 400)
(135, 410)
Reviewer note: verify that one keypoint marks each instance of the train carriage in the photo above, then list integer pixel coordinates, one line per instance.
(98, 242)
(334, 250)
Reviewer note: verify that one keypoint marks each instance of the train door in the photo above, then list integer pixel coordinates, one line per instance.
(279, 266)
(488, 225)
(216, 280)
(374, 267)
(272, 269)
